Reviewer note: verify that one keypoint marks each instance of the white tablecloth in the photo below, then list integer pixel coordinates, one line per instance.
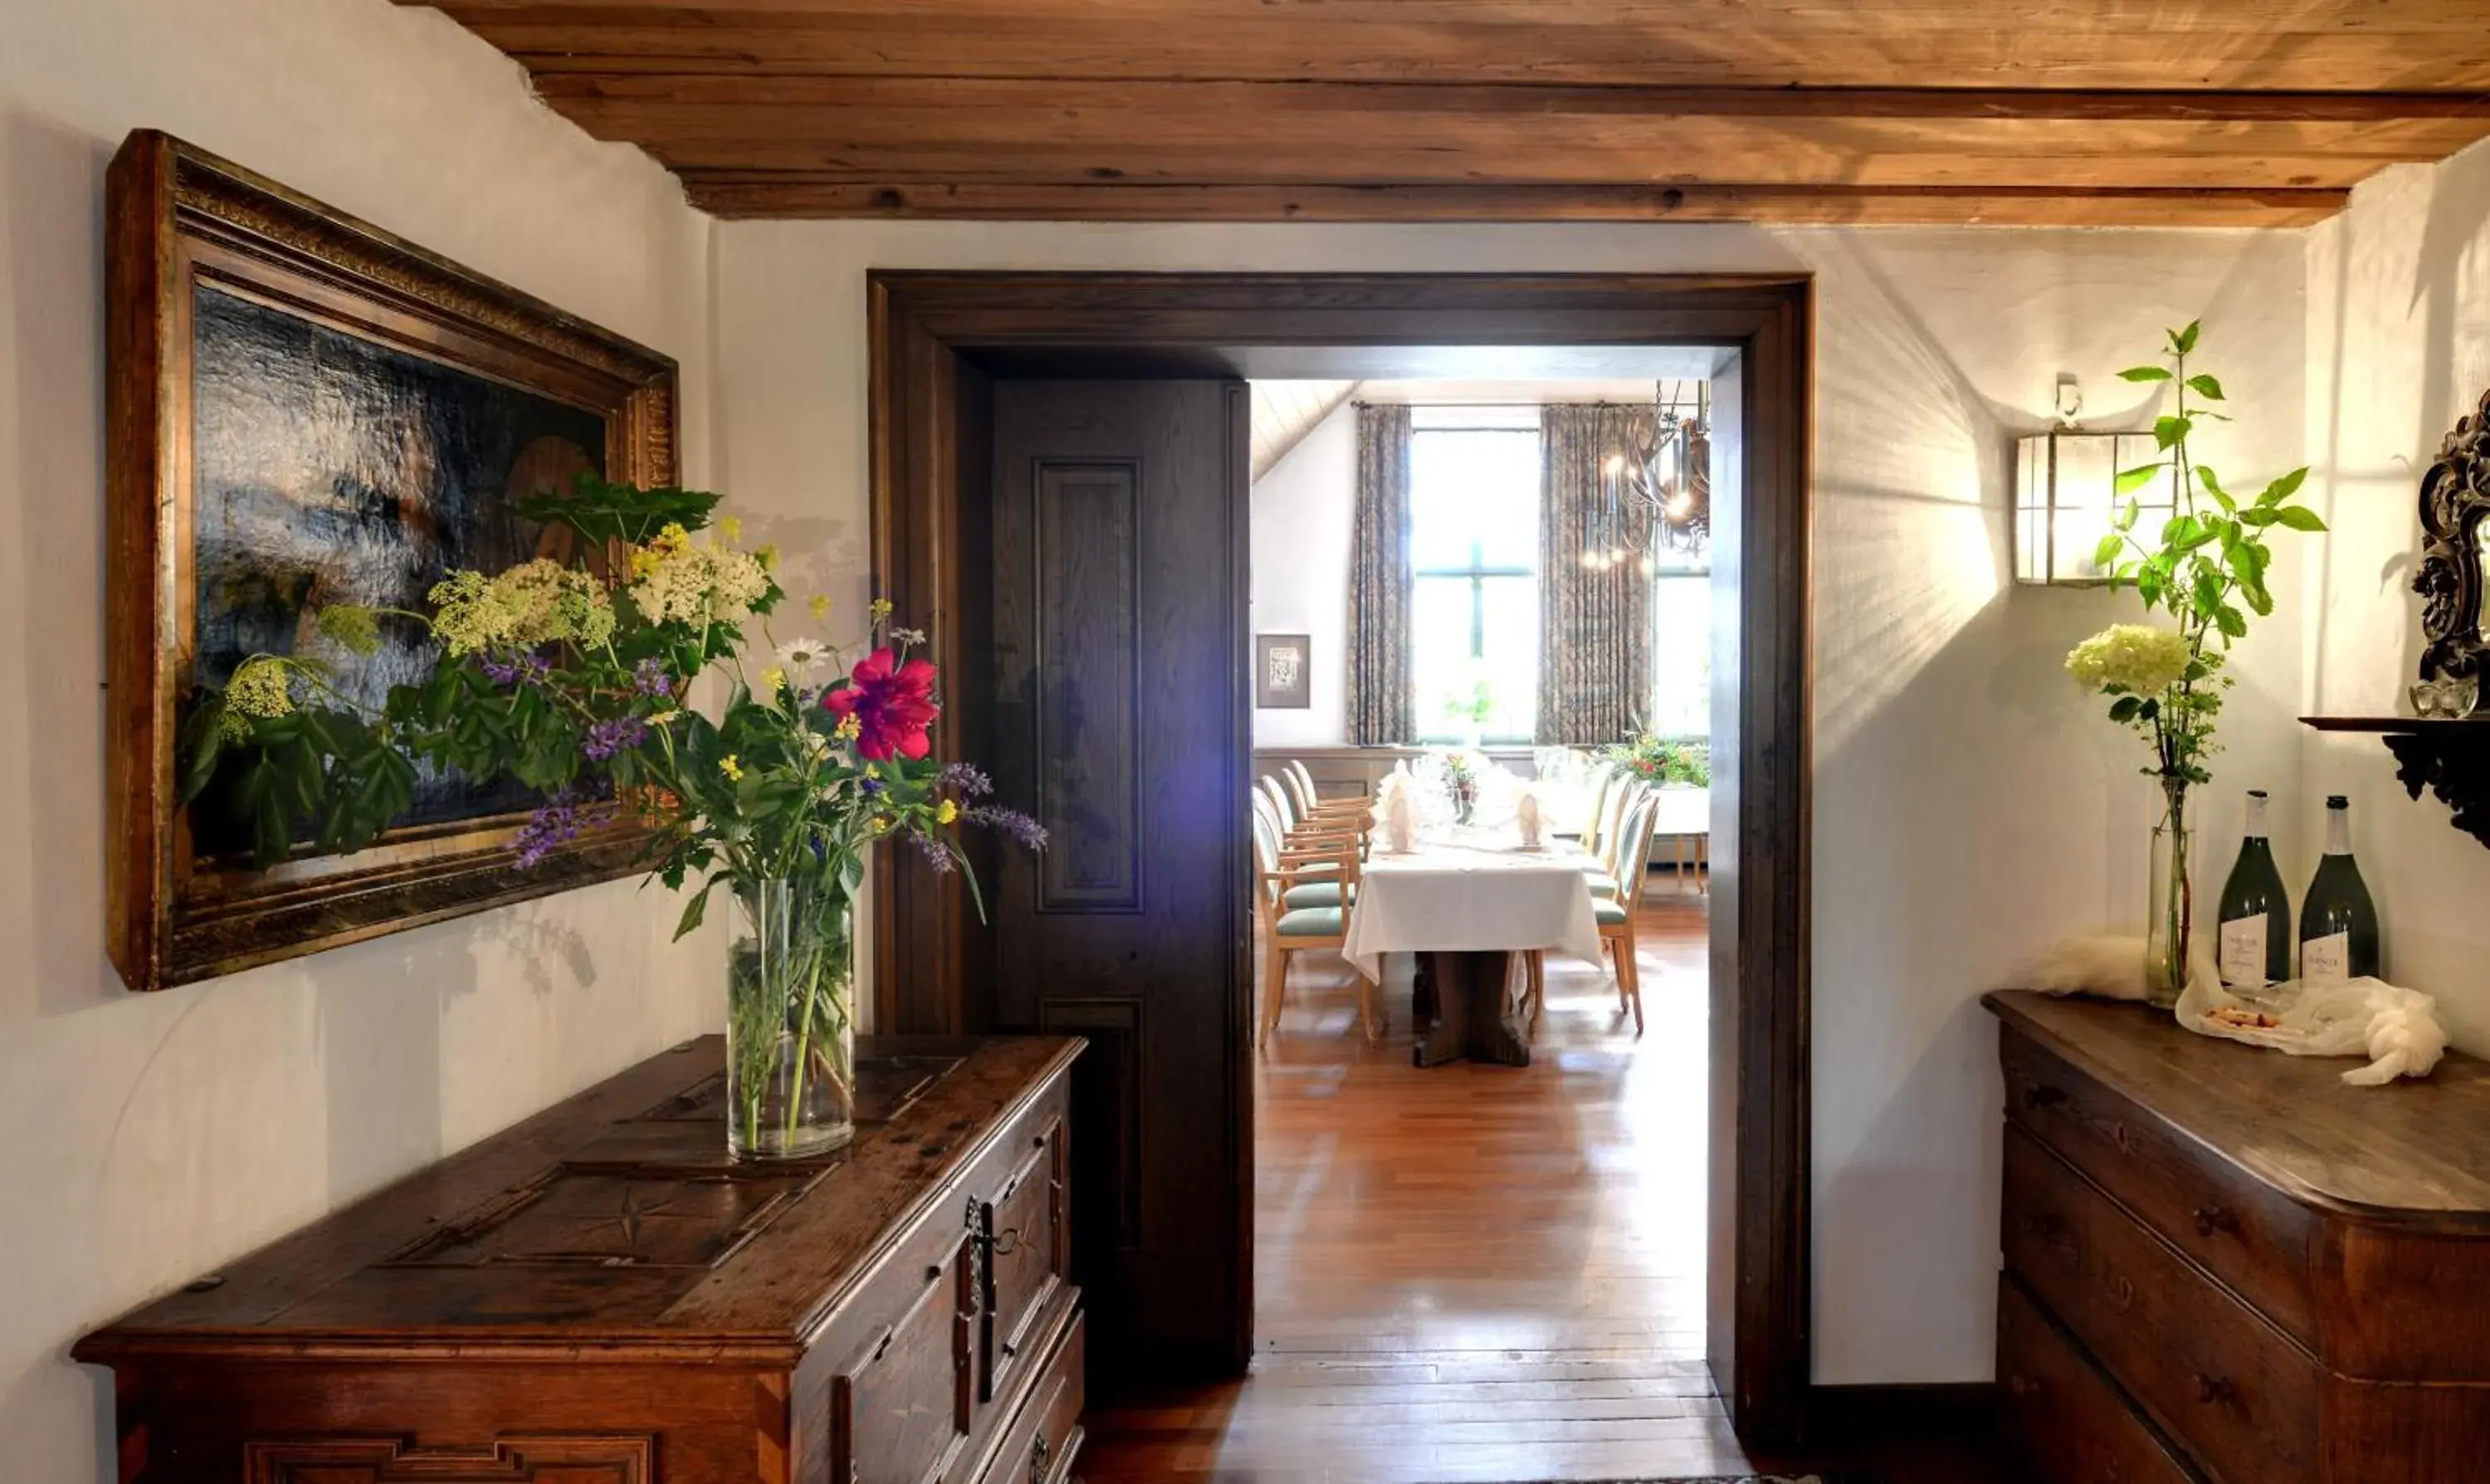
(1455, 895)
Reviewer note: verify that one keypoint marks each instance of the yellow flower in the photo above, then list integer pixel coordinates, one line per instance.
(730, 527)
(662, 718)
(733, 770)
(881, 609)
(947, 813)
(821, 606)
(644, 561)
(772, 681)
(766, 554)
(873, 769)
(673, 538)
(851, 727)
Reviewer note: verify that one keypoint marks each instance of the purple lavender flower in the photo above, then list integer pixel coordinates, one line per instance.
(870, 787)
(615, 733)
(528, 669)
(966, 779)
(1011, 822)
(649, 678)
(554, 825)
(936, 855)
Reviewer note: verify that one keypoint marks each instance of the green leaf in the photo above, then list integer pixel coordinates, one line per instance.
(2130, 481)
(2106, 555)
(2230, 620)
(2124, 708)
(2126, 516)
(2206, 387)
(2144, 373)
(694, 910)
(2259, 515)
(603, 512)
(2284, 487)
(2169, 432)
(2214, 487)
(2299, 517)
(2185, 340)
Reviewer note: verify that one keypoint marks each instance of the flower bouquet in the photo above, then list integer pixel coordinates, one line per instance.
(2206, 565)
(576, 678)
(1656, 761)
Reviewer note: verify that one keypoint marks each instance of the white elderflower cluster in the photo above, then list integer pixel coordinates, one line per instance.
(678, 582)
(2136, 658)
(536, 602)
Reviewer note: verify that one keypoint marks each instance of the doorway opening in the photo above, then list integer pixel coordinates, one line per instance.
(1140, 939)
(1472, 1267)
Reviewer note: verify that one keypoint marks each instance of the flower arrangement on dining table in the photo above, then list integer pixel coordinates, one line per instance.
(1657, 759)
(2206, 568)
(576, 678)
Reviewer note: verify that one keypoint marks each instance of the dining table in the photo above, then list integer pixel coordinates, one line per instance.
(1465, 901)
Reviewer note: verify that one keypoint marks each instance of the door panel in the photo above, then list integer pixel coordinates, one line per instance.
(1117, 717)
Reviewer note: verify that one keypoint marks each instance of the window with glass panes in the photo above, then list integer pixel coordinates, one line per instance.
(1474, 550)
(1681, 645)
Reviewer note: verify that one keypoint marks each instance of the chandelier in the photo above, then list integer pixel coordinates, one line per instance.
(1656, 489)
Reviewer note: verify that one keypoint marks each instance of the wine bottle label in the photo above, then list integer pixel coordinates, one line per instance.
(2327, 958)
(2244, 952)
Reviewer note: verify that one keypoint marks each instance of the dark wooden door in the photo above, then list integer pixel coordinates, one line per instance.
(1120, 717)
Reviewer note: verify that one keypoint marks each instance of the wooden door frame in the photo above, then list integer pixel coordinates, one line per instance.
(930, 333)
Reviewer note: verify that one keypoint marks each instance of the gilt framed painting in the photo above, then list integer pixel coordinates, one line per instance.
(305, 410)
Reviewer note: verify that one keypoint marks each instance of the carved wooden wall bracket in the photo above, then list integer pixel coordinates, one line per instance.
(2449, 757)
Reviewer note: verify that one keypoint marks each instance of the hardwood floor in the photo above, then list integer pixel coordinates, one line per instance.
(1472, 1272)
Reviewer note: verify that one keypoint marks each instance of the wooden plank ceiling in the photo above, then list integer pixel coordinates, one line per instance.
(2108, 112)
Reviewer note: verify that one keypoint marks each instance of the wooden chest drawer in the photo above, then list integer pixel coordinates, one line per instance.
(2234, 1391)
(1041, 1443)
(1027, 1255)
(2074, 1425)
(2252, 1238)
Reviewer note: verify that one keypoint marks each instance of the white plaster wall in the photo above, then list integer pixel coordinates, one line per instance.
(2400, 348)
(1970, 804)
(1303, 514)
(147, 1139)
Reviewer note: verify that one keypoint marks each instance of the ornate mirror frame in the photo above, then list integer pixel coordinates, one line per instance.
(2454, 500)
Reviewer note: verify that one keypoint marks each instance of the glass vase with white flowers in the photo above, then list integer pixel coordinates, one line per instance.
(2206, 568)
(578, 679)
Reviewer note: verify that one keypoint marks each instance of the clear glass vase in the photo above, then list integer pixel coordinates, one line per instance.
(2171, 924)
(791, 1019)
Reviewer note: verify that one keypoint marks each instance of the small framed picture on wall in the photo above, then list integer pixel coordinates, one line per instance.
(1279, 663)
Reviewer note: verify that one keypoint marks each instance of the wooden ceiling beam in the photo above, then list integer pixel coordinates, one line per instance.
(2354, 46)
(752, 193)
(1250, 133)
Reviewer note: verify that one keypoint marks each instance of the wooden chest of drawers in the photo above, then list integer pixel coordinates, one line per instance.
(597, 1296)
(2221, 1263)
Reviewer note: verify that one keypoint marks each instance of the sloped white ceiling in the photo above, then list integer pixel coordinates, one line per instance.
(1286, 411)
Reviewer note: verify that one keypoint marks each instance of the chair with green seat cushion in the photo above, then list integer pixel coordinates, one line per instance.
(1610, 914)
(1313, 922)
(1295, 917)
(1617, 916)
(1312, 894)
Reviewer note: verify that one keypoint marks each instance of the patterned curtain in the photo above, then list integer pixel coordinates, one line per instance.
(1594, 622)
(1379, 582)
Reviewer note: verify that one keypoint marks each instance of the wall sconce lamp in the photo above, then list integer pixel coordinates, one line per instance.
(2066, 499)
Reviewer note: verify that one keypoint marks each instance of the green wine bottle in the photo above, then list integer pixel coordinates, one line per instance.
(2256, 911)
(2338, 923)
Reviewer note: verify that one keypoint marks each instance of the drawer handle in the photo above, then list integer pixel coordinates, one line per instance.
(1038, 1450)
(2216, 1218)
(2041, 1095)
(2215, 1390)
(2121, 1292)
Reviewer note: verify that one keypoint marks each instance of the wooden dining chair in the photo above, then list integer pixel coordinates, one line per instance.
(1617, 914)
(1287, 930)
(1329, 885)
(1608, 869)
(1295, 828)
(1602, 778)
(1312, 806)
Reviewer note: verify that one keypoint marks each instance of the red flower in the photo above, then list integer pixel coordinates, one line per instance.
(892, 704)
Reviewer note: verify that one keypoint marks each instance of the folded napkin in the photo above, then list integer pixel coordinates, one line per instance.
(1396, 814)
(1525, 815)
